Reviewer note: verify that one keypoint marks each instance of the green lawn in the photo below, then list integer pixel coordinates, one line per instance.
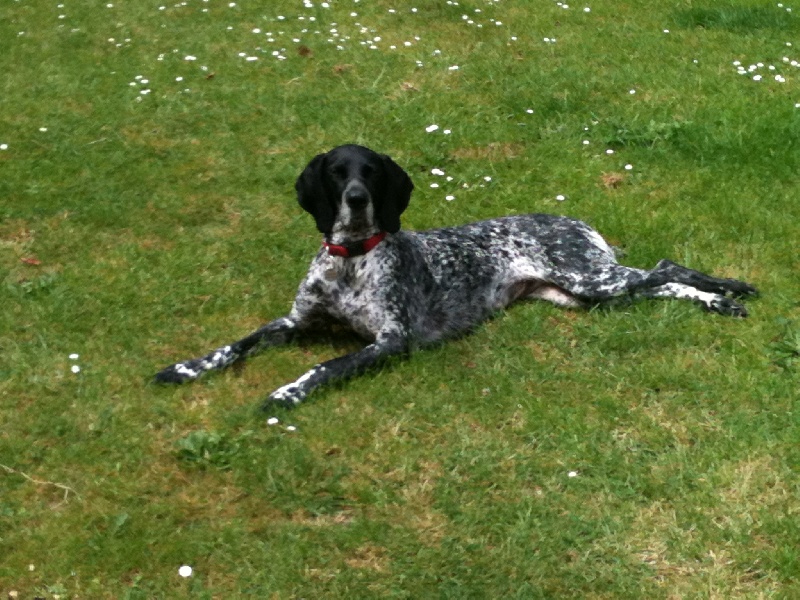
(148, 154)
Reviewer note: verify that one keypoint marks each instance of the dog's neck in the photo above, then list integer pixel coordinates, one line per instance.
(354, 248)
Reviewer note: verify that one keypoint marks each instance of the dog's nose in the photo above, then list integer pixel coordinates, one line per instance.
(357, 197)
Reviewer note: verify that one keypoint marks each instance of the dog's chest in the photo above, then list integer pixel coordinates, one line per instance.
(349, 290)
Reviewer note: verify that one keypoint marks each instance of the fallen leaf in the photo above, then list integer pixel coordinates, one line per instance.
(612, 180)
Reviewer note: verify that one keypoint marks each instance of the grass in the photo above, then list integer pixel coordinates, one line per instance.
(140, 228)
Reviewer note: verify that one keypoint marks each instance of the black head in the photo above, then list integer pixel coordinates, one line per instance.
(354, 188)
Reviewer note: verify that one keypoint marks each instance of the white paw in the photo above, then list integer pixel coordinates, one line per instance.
(726, 306)
(177, 373)
(288, 395)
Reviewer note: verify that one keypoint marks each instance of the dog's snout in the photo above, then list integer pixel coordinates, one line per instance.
(356, 196)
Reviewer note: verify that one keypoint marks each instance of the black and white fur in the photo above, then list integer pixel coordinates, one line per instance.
(415, 288)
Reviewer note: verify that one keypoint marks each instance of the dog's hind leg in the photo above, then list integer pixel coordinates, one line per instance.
(711, 301)
(608, 281)
(675, 273)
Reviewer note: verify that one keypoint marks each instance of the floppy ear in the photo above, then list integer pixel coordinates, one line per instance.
(397, 188)
(313, 196)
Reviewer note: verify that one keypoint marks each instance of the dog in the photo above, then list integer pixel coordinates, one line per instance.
(402, 289)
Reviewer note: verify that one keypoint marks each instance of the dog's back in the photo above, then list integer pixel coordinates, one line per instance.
(458, 276)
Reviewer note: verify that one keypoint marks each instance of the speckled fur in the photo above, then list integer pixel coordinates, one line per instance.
(415, 288)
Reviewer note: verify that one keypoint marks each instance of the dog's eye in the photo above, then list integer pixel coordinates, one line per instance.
(367, 171)
(339, 172)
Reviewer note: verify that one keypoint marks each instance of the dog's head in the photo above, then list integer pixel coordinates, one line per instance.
(353, 190)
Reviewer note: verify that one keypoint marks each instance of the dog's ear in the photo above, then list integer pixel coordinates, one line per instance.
(312, 194)
(396, 194)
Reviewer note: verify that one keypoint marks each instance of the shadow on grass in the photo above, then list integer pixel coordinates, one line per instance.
(737, 18)
(768, 141)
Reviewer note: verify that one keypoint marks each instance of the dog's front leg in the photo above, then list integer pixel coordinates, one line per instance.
(277, 332)
(343, 367)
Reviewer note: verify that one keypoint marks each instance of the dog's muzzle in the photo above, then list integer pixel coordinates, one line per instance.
(356, 195)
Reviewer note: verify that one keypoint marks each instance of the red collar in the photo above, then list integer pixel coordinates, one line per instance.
(356, 248)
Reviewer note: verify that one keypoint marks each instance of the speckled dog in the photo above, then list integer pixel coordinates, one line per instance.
(401, 289)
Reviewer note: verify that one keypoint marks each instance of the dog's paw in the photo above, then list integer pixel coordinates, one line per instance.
(288, 396)
(178, 373)
(740, 289)
(726, 306)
